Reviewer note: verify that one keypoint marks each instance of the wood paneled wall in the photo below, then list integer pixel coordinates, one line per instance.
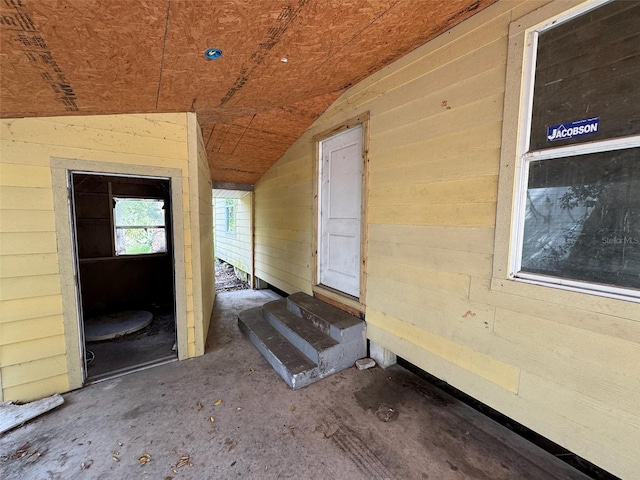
(234, 248)
(34, 361)
(562, 363)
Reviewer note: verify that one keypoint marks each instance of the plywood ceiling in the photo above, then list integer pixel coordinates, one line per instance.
(86, 57)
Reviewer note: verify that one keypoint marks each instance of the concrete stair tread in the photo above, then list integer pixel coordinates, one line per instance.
(336, 317)
(303, 338)
(305, 330)
(288, 355)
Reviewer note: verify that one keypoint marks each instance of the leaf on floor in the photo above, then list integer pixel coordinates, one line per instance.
(218, 402)
(231, 444)
(144, 459)
(184, 460)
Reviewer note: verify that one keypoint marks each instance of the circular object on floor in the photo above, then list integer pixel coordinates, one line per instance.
(113, 325)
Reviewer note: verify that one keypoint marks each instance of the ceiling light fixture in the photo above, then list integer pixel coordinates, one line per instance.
(212, 53)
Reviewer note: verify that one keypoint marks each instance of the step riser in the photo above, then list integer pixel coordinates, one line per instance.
(297, 341)
(295, 381)
(288, 334)
(342, 355)
(350, 334)
(345, 355)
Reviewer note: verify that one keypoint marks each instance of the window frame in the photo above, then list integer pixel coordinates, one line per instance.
(527, 41)
(115, 199)
(230, 207)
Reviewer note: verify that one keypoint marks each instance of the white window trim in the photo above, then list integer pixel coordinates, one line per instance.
(528, 54)
(141, 227)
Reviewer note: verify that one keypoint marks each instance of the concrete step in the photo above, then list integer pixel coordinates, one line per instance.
(289, 362)
(317, 346)
(303, 338)
(338, 324)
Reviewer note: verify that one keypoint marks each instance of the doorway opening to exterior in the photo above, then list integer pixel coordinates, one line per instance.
(124, 258)
(340, 206)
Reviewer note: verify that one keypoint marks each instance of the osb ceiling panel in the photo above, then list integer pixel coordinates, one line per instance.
(85, 57)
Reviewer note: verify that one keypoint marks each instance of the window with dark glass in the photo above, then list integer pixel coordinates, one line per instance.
(579, 221)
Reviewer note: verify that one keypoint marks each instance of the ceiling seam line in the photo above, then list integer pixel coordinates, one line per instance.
(362, 30)
(242, 136)
(226, 132)
(245, 76)
(209, 137)
(164, 41)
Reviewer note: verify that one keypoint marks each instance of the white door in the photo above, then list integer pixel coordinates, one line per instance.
(339, 211)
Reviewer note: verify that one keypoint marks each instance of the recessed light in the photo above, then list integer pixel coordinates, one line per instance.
(212, 53)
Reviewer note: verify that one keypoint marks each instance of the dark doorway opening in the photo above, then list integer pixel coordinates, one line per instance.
(125, 263)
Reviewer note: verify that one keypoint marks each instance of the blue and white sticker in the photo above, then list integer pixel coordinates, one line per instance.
(565, 131)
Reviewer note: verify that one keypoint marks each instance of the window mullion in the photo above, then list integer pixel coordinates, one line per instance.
(584, 148)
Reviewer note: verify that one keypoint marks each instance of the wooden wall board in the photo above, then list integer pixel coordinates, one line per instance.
(31, 329)
(234, 248)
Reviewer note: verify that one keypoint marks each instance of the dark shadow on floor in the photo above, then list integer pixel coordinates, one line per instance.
(153, 344)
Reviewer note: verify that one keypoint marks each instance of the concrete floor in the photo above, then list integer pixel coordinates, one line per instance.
(263, 430)
(152, 345)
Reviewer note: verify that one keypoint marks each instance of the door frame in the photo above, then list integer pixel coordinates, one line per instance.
(61, 169)
(337, 298)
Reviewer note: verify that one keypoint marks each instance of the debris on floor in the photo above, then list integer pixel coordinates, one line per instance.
(25, 451)
(365, 363)
(184, 460)
(333, 429)
(12, 415)
(386, 413)
(226, 279)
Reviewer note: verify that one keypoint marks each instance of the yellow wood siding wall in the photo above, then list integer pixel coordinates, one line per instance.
(562, 363)
(204, 217)
(33, 357)
(283, 219)
(234, 248)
